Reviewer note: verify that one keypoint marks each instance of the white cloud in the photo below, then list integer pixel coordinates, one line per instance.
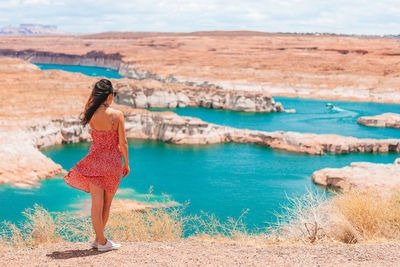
(83, 16)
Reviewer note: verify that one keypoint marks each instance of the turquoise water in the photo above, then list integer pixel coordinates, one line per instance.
(222, 179)
(311, 116)
(90, 71)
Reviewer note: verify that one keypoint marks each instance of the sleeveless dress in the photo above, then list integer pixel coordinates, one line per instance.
(102, 165)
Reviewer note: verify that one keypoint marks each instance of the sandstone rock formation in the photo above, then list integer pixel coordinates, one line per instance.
(42, 107)
(360, 175)
(169, 127)
(162, 96)
(92, 58)
(384, 120)
(327, 67)
(166, 127)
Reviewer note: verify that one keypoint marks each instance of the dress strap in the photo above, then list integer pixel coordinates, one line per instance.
(91, 124)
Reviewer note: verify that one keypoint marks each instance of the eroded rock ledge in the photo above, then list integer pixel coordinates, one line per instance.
(391, 120)
(360, 175)
(170, 127)
(93, 58)
(24, 164)
(159, 96)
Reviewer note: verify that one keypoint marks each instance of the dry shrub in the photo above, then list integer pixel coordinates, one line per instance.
(39, 228)
(210, 228)
(347, 217)
(373, 215)
(11, 235)
(303, 219)
(159, 223)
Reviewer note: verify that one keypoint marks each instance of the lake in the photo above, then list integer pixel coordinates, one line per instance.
(222, 179)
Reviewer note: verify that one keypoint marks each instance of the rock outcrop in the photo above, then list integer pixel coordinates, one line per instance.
(91, 58)
(391, 120)
(22, 164)
(360, 175)
(166, 127)
(170, 127)
(161, 96)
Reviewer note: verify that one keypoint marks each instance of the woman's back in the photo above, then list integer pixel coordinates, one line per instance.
(104, 120)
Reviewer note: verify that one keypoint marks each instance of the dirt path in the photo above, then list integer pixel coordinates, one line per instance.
(204, 253)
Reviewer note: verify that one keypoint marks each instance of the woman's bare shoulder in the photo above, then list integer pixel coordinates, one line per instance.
(118, 113)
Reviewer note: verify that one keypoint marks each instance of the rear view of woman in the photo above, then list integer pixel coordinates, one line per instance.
(99, 172)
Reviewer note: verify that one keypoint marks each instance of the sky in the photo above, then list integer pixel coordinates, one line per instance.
(91, 16)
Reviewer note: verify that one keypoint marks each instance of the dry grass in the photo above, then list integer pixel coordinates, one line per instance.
(372, 216)
(161, 223)
(348, 217)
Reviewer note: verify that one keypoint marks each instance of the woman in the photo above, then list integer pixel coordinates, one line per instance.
(99, 172)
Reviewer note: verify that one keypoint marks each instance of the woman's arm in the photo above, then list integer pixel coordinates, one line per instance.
(123, 143)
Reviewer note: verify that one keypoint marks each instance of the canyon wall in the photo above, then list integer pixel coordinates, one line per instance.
(92, 58)
(129, 93)
(163, 96)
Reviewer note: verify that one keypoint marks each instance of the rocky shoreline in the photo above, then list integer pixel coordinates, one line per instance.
(172, 128)
(360, 175)
(163, 126)
(391, 120)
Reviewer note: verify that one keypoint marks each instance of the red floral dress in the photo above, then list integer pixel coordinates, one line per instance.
(102, 165)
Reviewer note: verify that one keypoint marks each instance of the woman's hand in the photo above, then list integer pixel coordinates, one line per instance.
(125, 169)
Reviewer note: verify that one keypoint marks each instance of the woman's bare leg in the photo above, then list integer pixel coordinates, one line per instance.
(97, 194)
(108, 197)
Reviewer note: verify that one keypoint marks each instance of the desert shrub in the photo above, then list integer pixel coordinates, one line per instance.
(373, 215)
(348, 217)
(160, 223)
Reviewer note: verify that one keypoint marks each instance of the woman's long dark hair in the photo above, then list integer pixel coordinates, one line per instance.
(101, 90)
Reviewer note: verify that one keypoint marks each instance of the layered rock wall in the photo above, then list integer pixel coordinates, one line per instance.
(92, 58)
(170, 127)
(24, 164)
(170, 97)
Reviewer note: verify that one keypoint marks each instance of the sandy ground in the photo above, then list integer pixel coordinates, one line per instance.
(204, 253)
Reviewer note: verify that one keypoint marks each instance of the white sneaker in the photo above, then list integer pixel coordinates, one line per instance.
(94, 244)
(109, 245)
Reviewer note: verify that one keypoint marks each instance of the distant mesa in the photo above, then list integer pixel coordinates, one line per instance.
(31, 29)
